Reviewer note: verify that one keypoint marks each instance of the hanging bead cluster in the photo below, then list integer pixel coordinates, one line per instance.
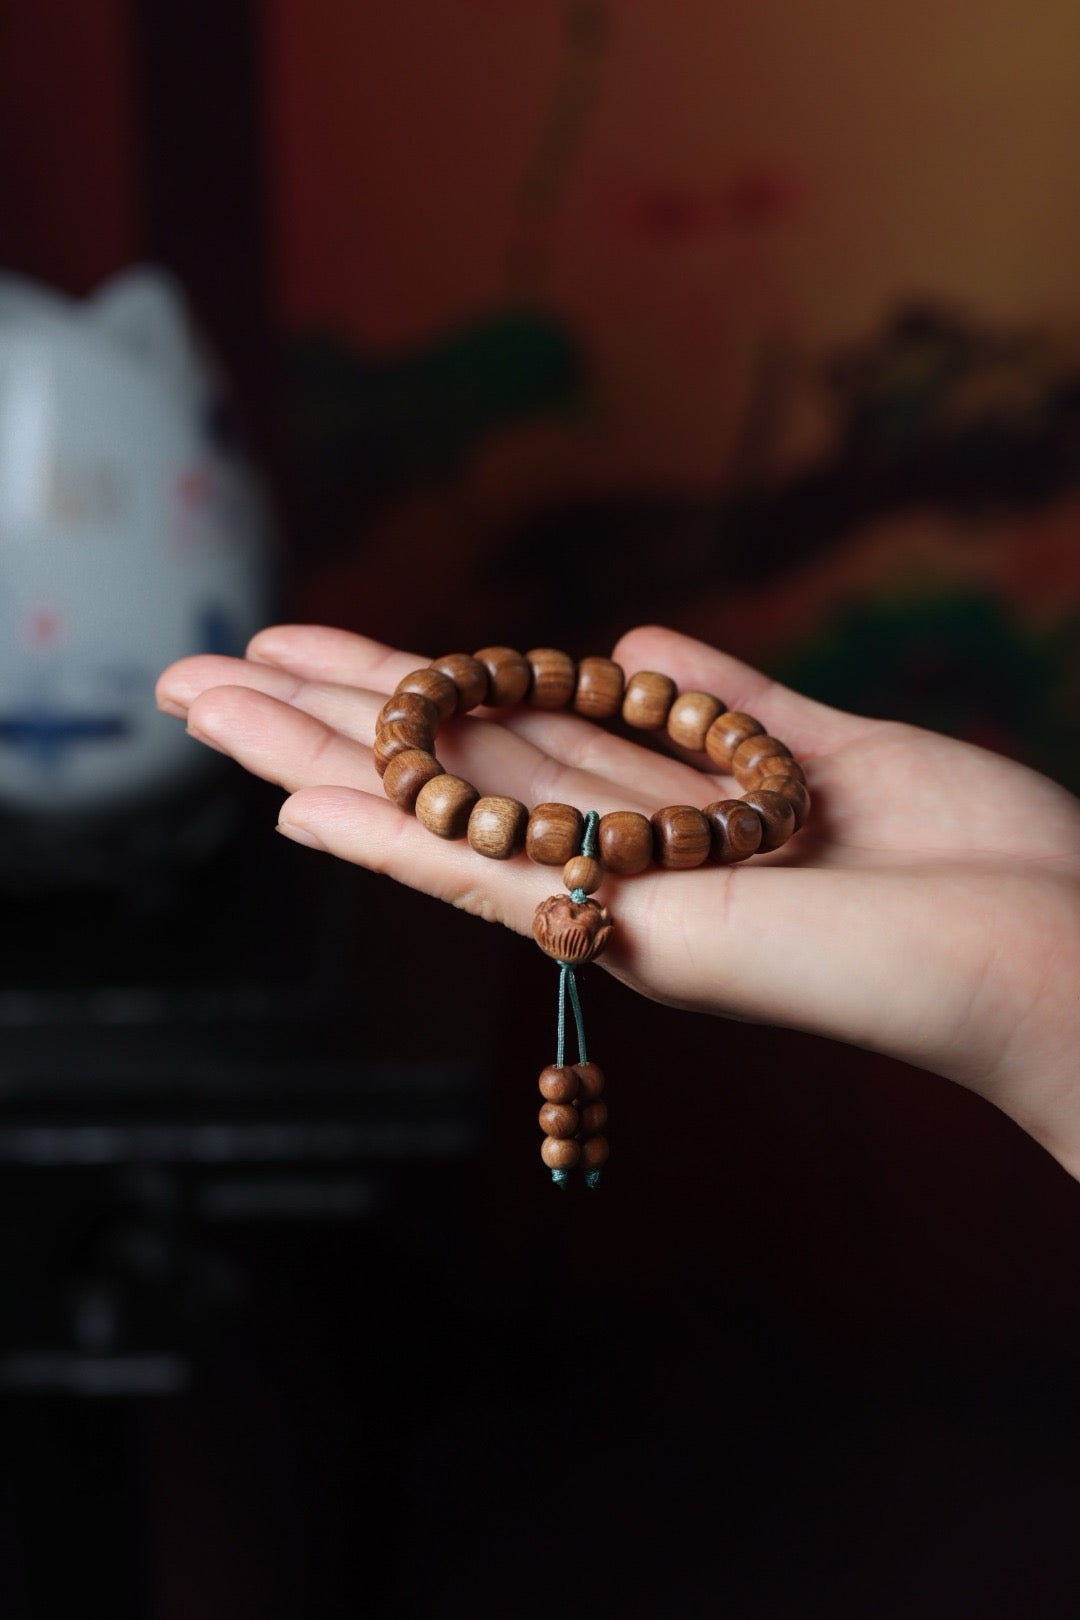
(573, 1117)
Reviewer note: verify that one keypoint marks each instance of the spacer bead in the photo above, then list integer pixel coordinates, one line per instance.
(583, 872)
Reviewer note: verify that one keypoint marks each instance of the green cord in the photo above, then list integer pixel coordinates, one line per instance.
(568, 986)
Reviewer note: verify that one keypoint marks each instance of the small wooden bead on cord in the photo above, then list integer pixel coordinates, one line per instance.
(573, 928)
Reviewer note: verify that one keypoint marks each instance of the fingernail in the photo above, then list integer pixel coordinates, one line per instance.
(207, 742)
(168, 706)
(299, 835)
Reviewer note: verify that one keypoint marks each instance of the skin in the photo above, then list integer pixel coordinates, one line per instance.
(929, 909)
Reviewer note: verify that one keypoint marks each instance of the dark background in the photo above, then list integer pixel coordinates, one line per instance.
(810, 1349)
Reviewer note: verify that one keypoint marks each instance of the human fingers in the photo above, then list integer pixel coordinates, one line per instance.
(277, 741)
(346, 710)
(182, 682)
(285, 743)
(593, 754)
(321, 653)
(638, 771)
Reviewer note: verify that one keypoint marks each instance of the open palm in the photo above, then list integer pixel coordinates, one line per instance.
(929, 909)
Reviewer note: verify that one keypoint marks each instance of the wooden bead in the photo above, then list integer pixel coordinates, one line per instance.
(570, 930)
(599, 691)
(725, 734)
(395, 738)
(625, 841)
(749, 754)
(406, 774)
(554, 834)
(594, 1153)
(559, 1119)
(647, 700)
(683, 837)
(497, 826)
(777, 817)
(468, 675)
(690, 717)
(582, 872)
(509, 676)
(444, 805)
(791, 788)
(593, 1118)
(560, 1152)
(559, 1084)
(590, 1081)
(434, 685)
(410, 706)
(771, 765)
(554, 677)
(737, 830)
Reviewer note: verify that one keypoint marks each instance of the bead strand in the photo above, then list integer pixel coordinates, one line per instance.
(775, 801)
(572, 1117)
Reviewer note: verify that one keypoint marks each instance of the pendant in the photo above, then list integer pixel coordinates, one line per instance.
(572, 930)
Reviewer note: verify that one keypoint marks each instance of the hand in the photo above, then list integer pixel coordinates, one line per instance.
(929, 909)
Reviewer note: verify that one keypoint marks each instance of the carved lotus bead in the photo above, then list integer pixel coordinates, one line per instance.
(571, 930)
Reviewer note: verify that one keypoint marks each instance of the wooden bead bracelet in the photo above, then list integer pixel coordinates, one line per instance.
(573, 929)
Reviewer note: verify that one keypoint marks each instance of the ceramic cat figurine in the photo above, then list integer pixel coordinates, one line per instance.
(131, 530)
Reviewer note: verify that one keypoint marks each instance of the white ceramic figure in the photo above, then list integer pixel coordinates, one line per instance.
(131, 532)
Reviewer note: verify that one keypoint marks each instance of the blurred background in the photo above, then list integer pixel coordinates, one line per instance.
(467, 321)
